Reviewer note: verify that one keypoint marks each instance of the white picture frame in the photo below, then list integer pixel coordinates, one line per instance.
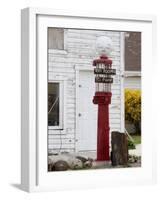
(34, 176)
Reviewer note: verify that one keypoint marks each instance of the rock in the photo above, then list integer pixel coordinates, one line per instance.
(50, 164)
(50, 167)
(49, 161)
(50, 154)
(76, 164)
(133, 159)
(83, 159)
(60, 165)
(73, 162)
(88, 164)
(65, 157)
(64, 152)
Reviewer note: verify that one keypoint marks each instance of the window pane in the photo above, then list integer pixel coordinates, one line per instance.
(133, 51)
(56, 38)
(53, 104)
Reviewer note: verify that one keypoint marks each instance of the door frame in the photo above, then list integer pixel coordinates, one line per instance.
(122, 72)
(78, 69)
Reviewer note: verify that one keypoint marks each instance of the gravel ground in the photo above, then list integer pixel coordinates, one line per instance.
(134, 157)
(136, 151)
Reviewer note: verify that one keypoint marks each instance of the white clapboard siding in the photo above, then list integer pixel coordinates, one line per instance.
(132, 82)
(60, 146)
(66, 137)
(55, 140)
(80, 52)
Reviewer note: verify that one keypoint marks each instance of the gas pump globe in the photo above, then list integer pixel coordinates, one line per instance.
(103, 79)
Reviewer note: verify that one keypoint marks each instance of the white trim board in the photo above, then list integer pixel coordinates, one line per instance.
(77, 73)
(132, 74)
(93, 14)
(28, 100)
(122, 63)
(62, 105)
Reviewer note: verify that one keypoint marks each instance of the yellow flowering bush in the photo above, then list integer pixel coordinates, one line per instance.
(133, 107)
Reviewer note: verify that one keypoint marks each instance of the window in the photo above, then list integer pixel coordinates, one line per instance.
(56, 38)
(132, 51)
(54, 104)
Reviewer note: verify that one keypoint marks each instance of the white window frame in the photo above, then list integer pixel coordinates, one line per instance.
(61, 105)
(132, 73)
(61, 51)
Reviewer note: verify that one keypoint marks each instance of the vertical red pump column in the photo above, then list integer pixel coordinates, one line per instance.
(103, 81)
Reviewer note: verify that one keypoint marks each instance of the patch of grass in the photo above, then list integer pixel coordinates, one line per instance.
(137, 139)
(131, 145)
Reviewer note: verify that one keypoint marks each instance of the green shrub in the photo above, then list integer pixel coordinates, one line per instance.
(131, 145)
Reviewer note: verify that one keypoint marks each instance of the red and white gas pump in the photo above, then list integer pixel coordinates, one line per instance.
(103, 79)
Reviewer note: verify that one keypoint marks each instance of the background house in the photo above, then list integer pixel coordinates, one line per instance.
(72, 121)
(132, 72)
(132, 60)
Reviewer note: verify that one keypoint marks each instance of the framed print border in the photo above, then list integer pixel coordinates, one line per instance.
(30, 139)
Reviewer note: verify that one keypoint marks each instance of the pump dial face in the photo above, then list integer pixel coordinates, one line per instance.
(103, 45)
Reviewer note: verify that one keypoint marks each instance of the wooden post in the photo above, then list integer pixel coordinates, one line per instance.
(119, 154)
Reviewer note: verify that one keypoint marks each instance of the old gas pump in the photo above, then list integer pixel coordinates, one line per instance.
(103, 79)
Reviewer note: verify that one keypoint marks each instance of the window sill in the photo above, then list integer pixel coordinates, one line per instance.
(55, 128)
(132, 74)
(54, 131)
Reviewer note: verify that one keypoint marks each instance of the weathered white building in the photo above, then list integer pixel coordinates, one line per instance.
(132, 80)
(71, 82)
(132, 52)
(132, 72)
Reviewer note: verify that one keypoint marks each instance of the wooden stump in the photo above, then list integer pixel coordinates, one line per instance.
(119, 154)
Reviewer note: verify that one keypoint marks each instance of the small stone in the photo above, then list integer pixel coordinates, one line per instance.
(76, 164)
(83, 159)
(49, 161)
(50, 167)
(60, 165)
(133, 159)
(64, 152)
(88, 164)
